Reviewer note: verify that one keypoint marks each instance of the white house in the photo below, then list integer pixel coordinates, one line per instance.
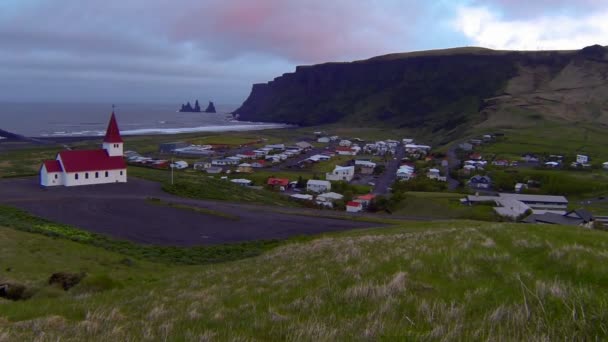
(605, 165)
(341, 173)
(180, 165)
(315, 185)
(327, 199)
(582, 159)
(241, 181)
(88, 167)
(304, 145)
(324, 140)
(345, 143)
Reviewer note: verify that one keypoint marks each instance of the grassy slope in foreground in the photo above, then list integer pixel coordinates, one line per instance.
(460, 280)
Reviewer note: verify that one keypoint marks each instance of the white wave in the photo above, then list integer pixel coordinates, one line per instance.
(154, 131)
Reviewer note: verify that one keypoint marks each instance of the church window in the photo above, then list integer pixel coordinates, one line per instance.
(107, 174)
(76, 176)
(121, 173)
(96, 174)
(86, 175)
(55, 176)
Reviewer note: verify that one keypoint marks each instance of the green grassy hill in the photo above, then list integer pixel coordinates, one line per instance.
(424, 281)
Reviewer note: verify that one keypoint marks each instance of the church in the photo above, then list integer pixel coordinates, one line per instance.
(88, 167)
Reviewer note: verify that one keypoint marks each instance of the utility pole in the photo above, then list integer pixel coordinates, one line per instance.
(172, 167)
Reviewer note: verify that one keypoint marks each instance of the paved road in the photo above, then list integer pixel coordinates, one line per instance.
(388, 177)
(122, 211)
(453, 164)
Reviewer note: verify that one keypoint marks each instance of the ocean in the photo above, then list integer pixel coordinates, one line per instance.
(71, 119)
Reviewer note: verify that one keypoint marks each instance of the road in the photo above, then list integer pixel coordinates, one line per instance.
(124, 211)
(388, 177)
(453, 164)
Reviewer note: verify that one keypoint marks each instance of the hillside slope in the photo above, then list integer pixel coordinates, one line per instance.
(430, 281)
(442, 90)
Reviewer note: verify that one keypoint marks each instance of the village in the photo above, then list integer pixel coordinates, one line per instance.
(357, 173)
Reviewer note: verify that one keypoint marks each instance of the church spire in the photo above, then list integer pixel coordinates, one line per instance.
(113, 133)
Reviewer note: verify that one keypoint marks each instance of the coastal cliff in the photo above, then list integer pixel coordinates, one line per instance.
(439, 90)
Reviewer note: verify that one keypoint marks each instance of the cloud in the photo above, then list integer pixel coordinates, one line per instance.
(486, 28)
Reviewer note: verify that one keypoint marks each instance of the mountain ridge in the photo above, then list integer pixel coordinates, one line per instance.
(439, 90)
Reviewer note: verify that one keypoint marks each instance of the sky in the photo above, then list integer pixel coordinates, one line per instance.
(161, 51)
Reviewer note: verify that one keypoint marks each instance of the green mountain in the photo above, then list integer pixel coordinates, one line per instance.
(443, 91)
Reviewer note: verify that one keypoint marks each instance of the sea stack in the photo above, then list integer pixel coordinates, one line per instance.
(210, 108)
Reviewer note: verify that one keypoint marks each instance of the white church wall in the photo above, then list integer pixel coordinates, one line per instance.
(95, 177)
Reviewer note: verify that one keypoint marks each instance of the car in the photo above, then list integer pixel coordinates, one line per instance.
(371, 183)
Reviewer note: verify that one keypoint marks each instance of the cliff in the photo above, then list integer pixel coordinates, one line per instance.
(440, 90)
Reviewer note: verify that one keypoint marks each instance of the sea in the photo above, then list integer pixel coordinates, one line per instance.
(87, 119)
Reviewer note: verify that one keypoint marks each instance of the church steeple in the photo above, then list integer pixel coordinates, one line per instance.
(113, 133)
(112, 142)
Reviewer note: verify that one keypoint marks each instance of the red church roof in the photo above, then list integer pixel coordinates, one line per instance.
(113, 133)
(52, 166)
(90, 160)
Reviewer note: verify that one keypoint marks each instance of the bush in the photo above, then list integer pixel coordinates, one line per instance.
(98, 283)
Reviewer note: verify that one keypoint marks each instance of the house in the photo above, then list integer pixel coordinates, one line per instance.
(365, 200)
(346, 151)
(278, 183)
(274, 147)
(466, 147)
(244, 168)
(552, 164)
(314, 185)
(475, 156)
(241, 181)
(319, 157)
(530, 158)
(538, 203)
(225, 162)
(302, 197)
(327, 199)
(324, 140)
(214, 170)
(405, 172)
(180, 165)
(247, 155)
(436, 175)
(605, 165)
(480, 182)
(368, 169)
(579, 217)
(304, 145)
(354, 207)
(519, 187)
(501, 162)
(345, 143)
(407, 141)
(475, 141)
(202, 165)
(582, 159)
(87, 167)
(341, 173)
(258, 164)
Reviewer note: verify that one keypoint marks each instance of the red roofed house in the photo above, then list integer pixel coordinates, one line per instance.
(87, 167)
(353, 207)
(365, 199)
(278, 183)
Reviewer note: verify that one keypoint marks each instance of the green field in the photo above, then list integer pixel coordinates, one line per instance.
(553, 138)
(441, 205)
(415, 281)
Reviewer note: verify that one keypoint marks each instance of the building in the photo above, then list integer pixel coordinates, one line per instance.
(579, 217)
(327, 199)
(346, 151)
(324, 140)
(214, 170)
(354, 207)
(304, 145)
(365, 200)
(539, 204)
(278, 183)
(341, 173)
(180, 165)
(480, 182)
(368, 169)
(225, 162)
(466, 147)
(201, 165)
(241, 181)
(582, 159)
(88, 167)
(605, 165)
(244, 168)
(314, 185)
(345, 143)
